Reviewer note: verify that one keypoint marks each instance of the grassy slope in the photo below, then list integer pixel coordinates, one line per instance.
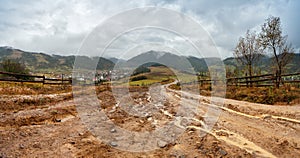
(159, 74)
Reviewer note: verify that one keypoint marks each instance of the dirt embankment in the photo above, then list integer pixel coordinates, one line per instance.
(242, 129)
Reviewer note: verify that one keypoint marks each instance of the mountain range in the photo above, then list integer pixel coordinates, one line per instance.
(44, 63)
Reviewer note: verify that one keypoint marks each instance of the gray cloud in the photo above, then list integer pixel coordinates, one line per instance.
(60, 26)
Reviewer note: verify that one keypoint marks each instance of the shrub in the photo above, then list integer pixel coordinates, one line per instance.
(140, 70)
(137, 78)
(14, 67)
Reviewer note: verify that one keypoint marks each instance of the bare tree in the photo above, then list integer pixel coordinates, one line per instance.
(272, 39)
(248, 51)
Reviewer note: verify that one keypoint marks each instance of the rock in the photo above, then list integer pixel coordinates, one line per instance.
(21, 146)
(184, 122)
(254, 153)
(147, 114)
(103, 118)
(113, 144)
(80, 133)
(112, 111)
(23, 134)
(222, 133)
(57, 120)
(182, 156)
(113, 130)
(222, 152)
(72, 142)
(284, 143)
(2, 155)
(190, 132)
(37, 145)
(162, 144)
(266, 116)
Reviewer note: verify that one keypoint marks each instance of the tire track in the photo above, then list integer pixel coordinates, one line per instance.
(224, 135)
(238, 141)
(262, 116)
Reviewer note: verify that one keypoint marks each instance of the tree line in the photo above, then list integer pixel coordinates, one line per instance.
(8, 65)
(271, 41)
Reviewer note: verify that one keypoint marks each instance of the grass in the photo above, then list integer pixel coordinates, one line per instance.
(174, 74)
(12, 88)
(285, 95)
(158, 74)
(145, 82)
(264, 95)
(185, 78)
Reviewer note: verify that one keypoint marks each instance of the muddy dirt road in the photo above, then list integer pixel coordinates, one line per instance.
(241, 129)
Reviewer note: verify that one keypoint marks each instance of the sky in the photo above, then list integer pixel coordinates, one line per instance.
(64, 27)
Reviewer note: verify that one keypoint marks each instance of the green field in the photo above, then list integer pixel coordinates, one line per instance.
(158, 74)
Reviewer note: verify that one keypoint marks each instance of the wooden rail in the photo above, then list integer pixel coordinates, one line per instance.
(33, 79)
(258, 81)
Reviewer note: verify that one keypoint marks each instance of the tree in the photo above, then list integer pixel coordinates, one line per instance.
(14, 67)
(140, 70)
(248, 51)
(272, 40)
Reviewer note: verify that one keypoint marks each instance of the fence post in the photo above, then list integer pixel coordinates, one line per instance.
(43, 80)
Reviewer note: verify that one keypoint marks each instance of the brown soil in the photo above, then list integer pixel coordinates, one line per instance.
(243, 129)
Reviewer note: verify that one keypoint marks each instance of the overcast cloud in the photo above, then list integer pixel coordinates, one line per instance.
(59, 27)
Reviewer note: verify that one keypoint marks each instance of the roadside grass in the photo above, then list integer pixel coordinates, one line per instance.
(285, 95)
(12, 88)
(265, 95)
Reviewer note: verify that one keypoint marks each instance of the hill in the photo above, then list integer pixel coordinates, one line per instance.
(41, 62)
(44, 63)
(265, 64)
(182, 63)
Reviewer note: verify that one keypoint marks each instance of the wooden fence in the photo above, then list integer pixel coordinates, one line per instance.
(257, 81)
(14, 77)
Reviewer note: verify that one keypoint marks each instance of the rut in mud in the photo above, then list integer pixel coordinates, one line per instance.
(242, 129)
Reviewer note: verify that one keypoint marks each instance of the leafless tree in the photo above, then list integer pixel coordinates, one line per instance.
(248, 51)
(272, 40)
